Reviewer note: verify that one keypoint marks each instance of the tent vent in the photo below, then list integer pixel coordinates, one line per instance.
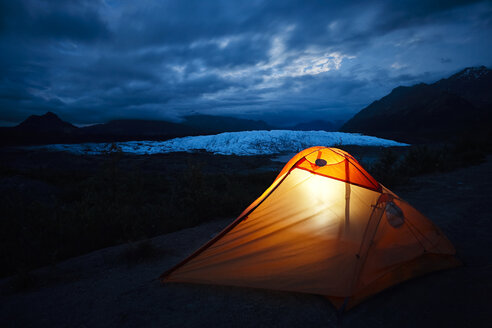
(320, 162)
(394, 215)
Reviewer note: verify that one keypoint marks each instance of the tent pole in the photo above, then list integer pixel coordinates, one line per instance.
(347, 197)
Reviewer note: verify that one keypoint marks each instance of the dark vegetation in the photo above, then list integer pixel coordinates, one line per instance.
(396, 168)
(58, 205)
(98, 287)
(63, 207)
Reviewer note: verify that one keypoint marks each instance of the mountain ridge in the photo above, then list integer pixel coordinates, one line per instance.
(316, 125)
(446, 109)
(48, 122)
(49, 128)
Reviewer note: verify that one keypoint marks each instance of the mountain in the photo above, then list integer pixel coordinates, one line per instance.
(218, 124)
(315, 125)
(191, 125)
(38, 129)
(449, 108)
(138, 129)
(473, 84)
(47, 123)
(49, 128)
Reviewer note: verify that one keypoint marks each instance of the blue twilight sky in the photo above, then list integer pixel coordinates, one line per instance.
(282, 61)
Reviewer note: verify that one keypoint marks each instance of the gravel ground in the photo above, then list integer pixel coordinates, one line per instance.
(107, 289)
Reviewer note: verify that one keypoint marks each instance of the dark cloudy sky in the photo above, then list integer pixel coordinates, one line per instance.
(282, 61)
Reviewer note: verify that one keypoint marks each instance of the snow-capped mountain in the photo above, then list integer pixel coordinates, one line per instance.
(459, 105)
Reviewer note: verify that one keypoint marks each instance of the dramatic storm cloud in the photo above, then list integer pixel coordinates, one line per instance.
(282, 61)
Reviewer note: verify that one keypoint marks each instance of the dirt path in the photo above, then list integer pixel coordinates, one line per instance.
(102, 289)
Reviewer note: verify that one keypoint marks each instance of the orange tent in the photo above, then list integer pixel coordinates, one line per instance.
(324, 226)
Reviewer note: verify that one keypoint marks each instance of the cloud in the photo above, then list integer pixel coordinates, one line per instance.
(95, 60)
(39, 19)
(397, 65)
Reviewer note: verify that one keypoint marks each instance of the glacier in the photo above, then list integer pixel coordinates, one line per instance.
(244, 143)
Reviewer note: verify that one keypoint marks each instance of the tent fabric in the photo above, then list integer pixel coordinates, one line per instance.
(328, 229)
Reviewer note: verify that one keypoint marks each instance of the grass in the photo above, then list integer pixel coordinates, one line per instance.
(110, 203)
(112, 206)
(392, 169)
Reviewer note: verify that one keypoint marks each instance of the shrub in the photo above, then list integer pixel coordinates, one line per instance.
(97, 209)
(392, 169)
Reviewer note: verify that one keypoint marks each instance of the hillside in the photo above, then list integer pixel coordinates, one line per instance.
(219, 124)
(447, 109)
(137, 128)
(49, 129)
(47, 123)
(39, 129)
(316, 125)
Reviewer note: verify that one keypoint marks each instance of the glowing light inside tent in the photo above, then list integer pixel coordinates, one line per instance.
(321, 193)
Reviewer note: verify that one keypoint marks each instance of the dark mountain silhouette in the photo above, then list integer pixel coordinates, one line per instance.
(49, 128)
(217, 124)
(192, 125)
(315, 125)
(138, 128)
(38, 129)
(473, 84)
(450, 108)
(47, 123)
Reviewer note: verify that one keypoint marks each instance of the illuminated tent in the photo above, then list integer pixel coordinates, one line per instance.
(324, 226)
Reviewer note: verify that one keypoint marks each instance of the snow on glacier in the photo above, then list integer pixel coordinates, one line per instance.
(242, 143)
